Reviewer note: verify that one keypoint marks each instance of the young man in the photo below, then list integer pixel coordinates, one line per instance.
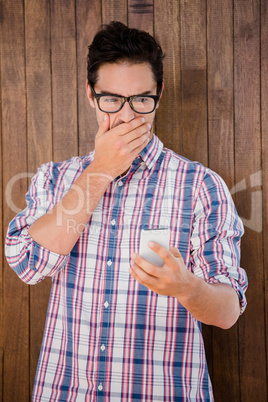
(119, 327)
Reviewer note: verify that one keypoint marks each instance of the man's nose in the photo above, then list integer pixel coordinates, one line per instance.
(126, 113)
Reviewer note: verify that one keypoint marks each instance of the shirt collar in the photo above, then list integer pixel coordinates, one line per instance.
(151, 152)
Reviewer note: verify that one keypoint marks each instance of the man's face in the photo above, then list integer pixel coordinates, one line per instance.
(126, 80)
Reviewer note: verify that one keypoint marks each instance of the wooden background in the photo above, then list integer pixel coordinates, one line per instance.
(214, 109)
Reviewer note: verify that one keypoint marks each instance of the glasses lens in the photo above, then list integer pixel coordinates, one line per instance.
(110, 104)
(142, 104)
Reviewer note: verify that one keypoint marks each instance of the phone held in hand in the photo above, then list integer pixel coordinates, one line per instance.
(160, 236)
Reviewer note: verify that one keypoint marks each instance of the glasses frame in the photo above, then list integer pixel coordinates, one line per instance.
(125, 99)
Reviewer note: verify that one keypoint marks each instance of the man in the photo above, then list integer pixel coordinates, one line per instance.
(119, 327)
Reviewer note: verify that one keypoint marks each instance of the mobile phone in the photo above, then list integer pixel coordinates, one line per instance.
(160, 236)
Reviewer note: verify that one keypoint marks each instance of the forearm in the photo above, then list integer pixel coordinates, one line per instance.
(212, 304)
(59, 229)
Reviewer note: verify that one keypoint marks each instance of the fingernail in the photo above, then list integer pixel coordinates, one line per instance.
(105, 117)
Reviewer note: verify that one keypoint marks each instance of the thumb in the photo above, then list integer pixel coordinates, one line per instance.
(104, 125)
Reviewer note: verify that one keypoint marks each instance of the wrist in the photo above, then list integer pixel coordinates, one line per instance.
(190, 289)
(97, 172)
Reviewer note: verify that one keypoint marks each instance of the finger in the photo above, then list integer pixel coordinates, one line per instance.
(138, 263)
(104, 125)
(137, 145)
(133, 139)
(167, 255)
(142, 276)
(134, 135)
(126, 128)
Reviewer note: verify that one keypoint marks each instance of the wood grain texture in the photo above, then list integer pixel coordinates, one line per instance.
(168, 116)
(264, 125)
(64, 79)
(193, 101)
(38, 82)
(141, 14)
(1, 244)
(247, 166)
(214, 110)
(39, 138)
(225, 351)
(220, 89)
(14, 140)
(114, 10)
(88, 21)
(194, 80)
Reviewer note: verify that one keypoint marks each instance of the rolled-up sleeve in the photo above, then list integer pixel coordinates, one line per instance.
(32, 262)
(216, 237)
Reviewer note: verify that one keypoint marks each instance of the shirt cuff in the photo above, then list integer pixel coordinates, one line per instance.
(42, 262)
(235, 285)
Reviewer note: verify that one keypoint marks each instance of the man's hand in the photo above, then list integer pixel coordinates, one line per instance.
(213, 304)
(168, 280)
(116, 148)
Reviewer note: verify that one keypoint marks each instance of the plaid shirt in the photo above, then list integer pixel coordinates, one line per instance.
(108, 338)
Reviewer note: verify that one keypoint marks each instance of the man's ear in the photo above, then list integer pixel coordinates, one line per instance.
(89, 95)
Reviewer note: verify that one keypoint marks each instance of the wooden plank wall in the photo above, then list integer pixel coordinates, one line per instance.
(214, 109)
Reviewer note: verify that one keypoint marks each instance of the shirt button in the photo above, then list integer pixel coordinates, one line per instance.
(106, 304)
(120, 183)
(103, 348)
(113, 222)
(109, 263)
(100, 387)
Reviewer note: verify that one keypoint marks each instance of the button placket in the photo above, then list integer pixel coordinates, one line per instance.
(108, 293)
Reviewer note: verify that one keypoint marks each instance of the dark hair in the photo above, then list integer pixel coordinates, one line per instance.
(116, 42)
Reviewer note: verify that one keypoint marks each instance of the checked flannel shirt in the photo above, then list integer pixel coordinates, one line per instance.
(108, 338)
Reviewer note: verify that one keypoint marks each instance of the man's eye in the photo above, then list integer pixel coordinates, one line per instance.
(141, 99)
(110, 99)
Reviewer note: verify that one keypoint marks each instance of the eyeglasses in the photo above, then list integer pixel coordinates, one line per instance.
(143, 104)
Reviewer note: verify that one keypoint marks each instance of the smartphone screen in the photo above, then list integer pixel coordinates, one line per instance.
(160, 236)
